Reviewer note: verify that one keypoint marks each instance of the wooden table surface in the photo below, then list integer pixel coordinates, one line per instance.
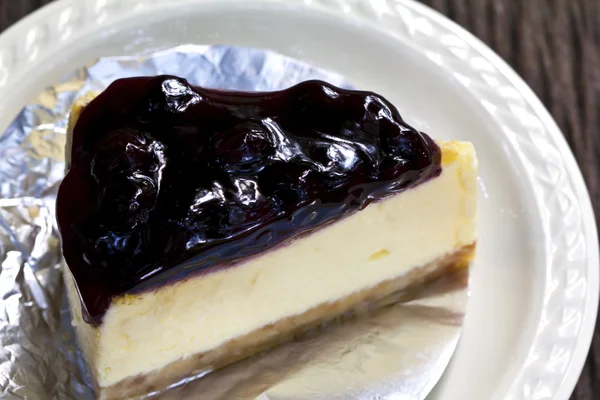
(555, 46)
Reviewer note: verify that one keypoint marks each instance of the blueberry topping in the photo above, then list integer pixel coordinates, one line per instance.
(167, 179)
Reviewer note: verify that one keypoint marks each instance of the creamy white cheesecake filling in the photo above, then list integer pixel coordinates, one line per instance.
(142, 333)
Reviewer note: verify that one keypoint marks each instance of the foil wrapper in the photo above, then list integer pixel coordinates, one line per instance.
(397, 352)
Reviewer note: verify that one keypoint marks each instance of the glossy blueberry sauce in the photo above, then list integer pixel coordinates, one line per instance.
(167, 179)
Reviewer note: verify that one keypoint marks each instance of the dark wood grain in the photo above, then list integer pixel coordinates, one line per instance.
(555, 46)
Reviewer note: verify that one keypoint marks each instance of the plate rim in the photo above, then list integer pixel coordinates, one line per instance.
(586, 331)
(17, 36)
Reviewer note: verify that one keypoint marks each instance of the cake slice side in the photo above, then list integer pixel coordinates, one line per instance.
(152, 339)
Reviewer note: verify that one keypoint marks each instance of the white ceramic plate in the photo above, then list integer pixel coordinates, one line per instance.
(535, 282)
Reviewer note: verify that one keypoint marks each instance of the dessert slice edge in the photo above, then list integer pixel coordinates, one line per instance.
(206, 319)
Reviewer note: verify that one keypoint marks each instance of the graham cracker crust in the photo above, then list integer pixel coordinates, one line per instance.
(402, 289)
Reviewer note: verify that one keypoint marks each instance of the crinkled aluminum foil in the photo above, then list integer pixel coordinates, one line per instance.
(398, 353)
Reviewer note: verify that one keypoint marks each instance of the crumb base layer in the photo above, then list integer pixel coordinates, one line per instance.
(281, 331)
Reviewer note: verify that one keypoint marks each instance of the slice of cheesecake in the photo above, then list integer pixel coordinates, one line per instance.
(201, 226)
